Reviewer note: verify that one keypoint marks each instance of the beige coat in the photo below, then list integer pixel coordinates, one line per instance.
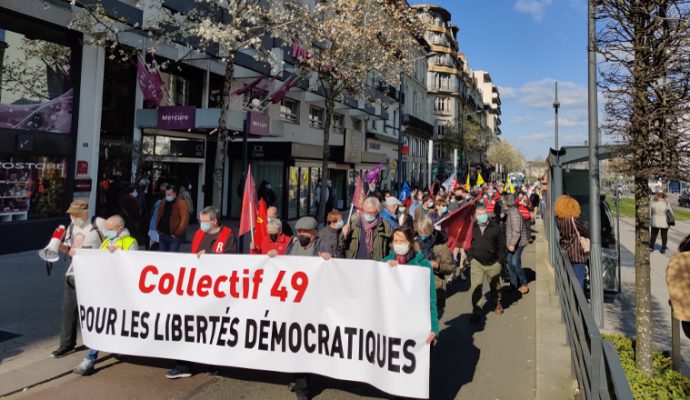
(658, 209)
(678, 281)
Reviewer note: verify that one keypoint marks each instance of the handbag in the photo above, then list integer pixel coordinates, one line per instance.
(585, 244)
(670, 218)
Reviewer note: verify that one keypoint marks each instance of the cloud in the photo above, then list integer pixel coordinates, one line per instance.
(578, 138)
(533, 7)
(507, 92)
(540, 94)
(536, 136)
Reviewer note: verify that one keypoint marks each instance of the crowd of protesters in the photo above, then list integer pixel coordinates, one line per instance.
(406, 230)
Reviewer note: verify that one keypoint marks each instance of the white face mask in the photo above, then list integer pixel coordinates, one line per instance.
(340, 224)
(401, 249)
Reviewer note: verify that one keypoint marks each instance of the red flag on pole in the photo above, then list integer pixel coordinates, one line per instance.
(458, 224)
(359, 196)
(249, 204)
(261, 223)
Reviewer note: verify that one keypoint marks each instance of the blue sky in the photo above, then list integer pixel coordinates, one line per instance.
(526, 45)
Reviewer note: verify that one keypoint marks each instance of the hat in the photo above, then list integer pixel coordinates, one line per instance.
(391, 201)
(306, 223)
(78, 206)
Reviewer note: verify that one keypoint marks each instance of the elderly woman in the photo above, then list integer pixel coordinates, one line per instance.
(367, 238)
(571, 229)
(658, 209)
(432, 244)
(330, 234)
(275, 243)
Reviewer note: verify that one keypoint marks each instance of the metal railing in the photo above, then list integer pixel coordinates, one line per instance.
(595, 363)
(676, 360)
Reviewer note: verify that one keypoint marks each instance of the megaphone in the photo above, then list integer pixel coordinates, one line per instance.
(51, 252)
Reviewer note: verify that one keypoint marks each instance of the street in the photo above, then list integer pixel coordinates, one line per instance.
(494, 359)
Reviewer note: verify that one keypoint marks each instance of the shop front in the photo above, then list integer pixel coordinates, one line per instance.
(39, 75)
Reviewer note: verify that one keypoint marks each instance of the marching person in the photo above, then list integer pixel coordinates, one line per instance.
(486, 254)
(390, 211)
(210, 238)
(117, 237)
(272, 213)
(172, 218)
(330, 234)
(275, 243)
(432, 244)
(517, 238)
(404, 253)
(89, 233)
(440, 211)
(416, 203)
(405, 218)
(427, 206)
(659, 208)
(368, 237)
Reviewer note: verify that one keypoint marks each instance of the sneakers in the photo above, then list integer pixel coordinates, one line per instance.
(85, 368)
(177, 373)
(663, 250)
(62, 351)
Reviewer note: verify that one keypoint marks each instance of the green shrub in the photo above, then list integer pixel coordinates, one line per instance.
(665, 383)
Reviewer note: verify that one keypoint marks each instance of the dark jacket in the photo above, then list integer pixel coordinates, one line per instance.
(488, 247)
(329, 240)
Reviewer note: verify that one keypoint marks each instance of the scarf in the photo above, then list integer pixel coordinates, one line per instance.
(404, 259)
(368, 228)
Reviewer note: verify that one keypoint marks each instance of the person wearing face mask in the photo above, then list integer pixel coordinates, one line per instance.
(416, 203)
(275, 243)
(266, 192)
(330, 234)
(368, 237)
(440, 210)
(390, 211)
(272, 213)
(129, 210)
(90, 232)
(404, 217)
(486, 254)
(432, 244)
(517, 238)
(307, 241)
(427, 206)
(171, 220)
(405, 253)
(117, 238)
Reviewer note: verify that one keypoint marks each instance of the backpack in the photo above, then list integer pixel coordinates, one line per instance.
(94, 227)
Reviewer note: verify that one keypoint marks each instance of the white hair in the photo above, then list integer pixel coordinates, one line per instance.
(274, 224)
(372, 201)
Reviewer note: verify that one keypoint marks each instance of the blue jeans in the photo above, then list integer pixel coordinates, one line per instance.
(580, 273)
(92, 356)
(515, 271)
(169, 243)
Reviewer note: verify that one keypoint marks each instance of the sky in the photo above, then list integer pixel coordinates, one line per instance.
(527, 45)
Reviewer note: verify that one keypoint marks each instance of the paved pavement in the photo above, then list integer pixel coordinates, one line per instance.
(619, 309)
(495, 359)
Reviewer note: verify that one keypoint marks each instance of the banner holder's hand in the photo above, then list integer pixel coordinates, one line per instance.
(392, 263)
(431, 337)
(272, 253)
(112, 249)
(200, 253)
(326, 256)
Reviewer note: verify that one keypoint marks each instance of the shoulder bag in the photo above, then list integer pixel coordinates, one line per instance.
(670, 218)
(584, 242)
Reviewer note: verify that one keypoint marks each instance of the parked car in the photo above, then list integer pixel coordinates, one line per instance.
(684, 199)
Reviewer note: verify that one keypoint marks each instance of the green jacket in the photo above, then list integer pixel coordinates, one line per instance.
(383, 234)
(420, 261)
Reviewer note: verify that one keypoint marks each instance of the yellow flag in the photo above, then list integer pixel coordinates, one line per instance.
(467, 182)
(480, 180)
(508, 184)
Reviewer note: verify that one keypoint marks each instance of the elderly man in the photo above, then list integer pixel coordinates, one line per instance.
(487, 252)
(116, 238)
(213, 238)
(307, 242)
(390, 211)
(272, 213)
(90, 231)
(275, 243)
(368, 238)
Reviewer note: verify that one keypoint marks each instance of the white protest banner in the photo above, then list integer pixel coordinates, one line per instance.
(347, 319)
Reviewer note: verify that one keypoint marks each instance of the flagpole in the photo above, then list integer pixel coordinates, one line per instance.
(352, 207)
(252, 221)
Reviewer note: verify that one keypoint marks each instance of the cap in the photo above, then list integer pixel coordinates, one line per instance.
(306, 223)
(391, 201)
(78, 206)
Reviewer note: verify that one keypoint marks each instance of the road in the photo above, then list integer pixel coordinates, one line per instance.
(494, 359)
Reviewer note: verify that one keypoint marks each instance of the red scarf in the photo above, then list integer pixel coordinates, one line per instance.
(368, 228)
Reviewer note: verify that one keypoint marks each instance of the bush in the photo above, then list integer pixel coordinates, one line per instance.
(665, 383)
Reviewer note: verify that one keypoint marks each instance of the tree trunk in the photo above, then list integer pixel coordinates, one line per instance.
(330, 106)
(221, 148)
(643, 298)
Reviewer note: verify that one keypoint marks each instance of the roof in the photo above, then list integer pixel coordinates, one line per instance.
(432, 7)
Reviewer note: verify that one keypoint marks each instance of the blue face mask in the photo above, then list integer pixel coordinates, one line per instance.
(424, 237)
(110, 234)
(205, 226)
(169, 198)
(369, 218)
(340, 224)
(483, 219)
(444, 210)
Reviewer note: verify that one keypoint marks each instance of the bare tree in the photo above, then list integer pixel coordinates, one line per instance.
(504, 153)
(646, 71)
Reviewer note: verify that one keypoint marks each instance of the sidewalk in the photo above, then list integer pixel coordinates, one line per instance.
(620, 309)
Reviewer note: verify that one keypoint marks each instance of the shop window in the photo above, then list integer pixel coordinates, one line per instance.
(32, 187)
(357, 124)
(304, 192)
(289, 110)
(316, 117)
(36, 87)
(293, 179)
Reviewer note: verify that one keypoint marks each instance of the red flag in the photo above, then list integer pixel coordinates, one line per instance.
(150, 82)
(459, 224)
(359, 196)
(249, 204)
(261, 230)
